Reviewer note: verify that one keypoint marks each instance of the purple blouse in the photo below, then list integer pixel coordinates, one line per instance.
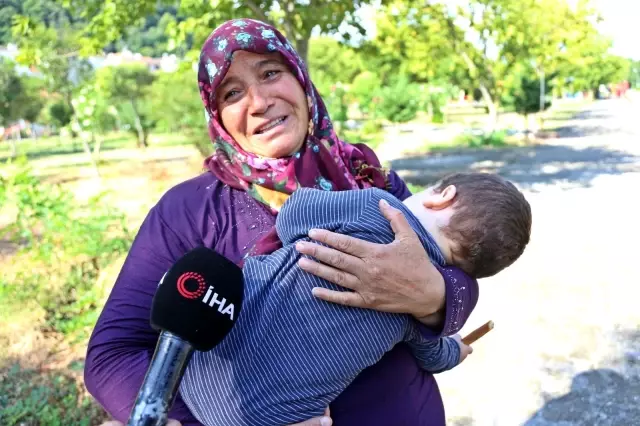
(203, 211)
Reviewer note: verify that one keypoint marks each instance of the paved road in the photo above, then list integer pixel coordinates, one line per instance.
(566, 347)
(600, 141)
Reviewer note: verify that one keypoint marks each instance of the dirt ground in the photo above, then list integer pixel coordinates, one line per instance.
(566, 345)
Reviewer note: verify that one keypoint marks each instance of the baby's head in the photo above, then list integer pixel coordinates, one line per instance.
(480, 221)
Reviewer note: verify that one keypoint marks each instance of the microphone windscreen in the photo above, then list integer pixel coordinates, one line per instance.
(199, 298)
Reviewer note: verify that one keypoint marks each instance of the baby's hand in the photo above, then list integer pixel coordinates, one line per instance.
(465, 350)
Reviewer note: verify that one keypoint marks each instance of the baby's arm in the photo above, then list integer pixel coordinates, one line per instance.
(436, 355)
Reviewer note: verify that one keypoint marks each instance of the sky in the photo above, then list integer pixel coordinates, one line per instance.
(622, 23)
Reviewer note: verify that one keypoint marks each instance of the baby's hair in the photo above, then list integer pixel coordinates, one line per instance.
(491, 223)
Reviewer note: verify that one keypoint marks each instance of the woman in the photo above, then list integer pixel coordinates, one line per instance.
(272, 134)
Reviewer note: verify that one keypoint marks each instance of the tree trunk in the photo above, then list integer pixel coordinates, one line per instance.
(14, 146)
(542, 90)
(142, 135)
(96, 148)
(493, 109)
(302, 46)
(486, 95)
(87, 150)
(301, 41)
(542, 100)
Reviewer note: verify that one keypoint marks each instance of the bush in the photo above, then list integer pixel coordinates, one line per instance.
(28, 397)
(371, 127)
(59, 114)
(522, 91)
(400, 101)
(495, 139)
(176, 103)
(65, 246)
(203, 145)
(337, 103)
(435, 101)
(364, 88)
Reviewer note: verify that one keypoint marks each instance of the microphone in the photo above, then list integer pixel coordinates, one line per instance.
(197, 303)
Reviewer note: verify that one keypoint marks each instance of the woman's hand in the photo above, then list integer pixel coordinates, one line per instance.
(465, 350)
(396, 277)
(170, 422)
(325, 420)
(318, 421)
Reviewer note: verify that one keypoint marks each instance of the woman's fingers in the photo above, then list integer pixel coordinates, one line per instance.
(339, 297)
(336, 276)
(398, 221)
(329, 256)
(342, 243)
(318, 421)
(170, 422)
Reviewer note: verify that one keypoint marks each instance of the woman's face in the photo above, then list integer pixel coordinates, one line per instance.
(262, 105)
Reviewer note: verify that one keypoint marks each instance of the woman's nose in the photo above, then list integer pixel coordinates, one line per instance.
(259, 100)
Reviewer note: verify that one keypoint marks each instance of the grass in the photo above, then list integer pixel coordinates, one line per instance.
(55, 146)
(41, 355)
(40, 372)
(32, 397)
(561, 112)
(465, 130)
(372, 137)
(415, 188)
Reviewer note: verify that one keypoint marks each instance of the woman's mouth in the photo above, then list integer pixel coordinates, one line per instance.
(270, 125)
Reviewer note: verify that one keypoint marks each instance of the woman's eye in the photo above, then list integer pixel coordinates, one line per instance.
(271, 73)
(230, 94)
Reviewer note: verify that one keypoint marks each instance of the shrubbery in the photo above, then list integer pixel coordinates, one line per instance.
(63, 247)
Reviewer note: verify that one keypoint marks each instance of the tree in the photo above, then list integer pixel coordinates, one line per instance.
(151, 38)
(400, 101)
(331, 62)
(59, 113)
(54, 52)
(523, 90)
(634, 74)
(86, 121)
(108, 19)
(45, 11)
(487, 37)
(409, 40)
(595, 66)
(128, 88)
(364, 89)
(19, 97)
(176, 104)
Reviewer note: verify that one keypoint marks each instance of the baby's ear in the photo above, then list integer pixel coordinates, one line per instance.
(449, 193)
(440, 200)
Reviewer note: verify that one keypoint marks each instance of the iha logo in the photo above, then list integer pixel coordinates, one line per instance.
(211, 298)
(186, 293)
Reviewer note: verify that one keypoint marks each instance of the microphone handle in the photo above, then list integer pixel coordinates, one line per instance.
(161, 382)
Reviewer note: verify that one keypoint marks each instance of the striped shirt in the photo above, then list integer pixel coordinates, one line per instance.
(290, 354)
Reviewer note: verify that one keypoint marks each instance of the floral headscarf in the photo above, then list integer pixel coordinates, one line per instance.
(323, 161)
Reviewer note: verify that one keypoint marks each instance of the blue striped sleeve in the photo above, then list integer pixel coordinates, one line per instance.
(433, 355)
(310, 208)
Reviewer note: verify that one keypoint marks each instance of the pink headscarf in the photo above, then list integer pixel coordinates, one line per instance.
(323, 161)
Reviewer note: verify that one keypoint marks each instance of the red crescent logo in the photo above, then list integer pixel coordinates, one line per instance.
(182, 289)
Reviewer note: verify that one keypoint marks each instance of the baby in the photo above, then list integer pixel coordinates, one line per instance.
(290, 354)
